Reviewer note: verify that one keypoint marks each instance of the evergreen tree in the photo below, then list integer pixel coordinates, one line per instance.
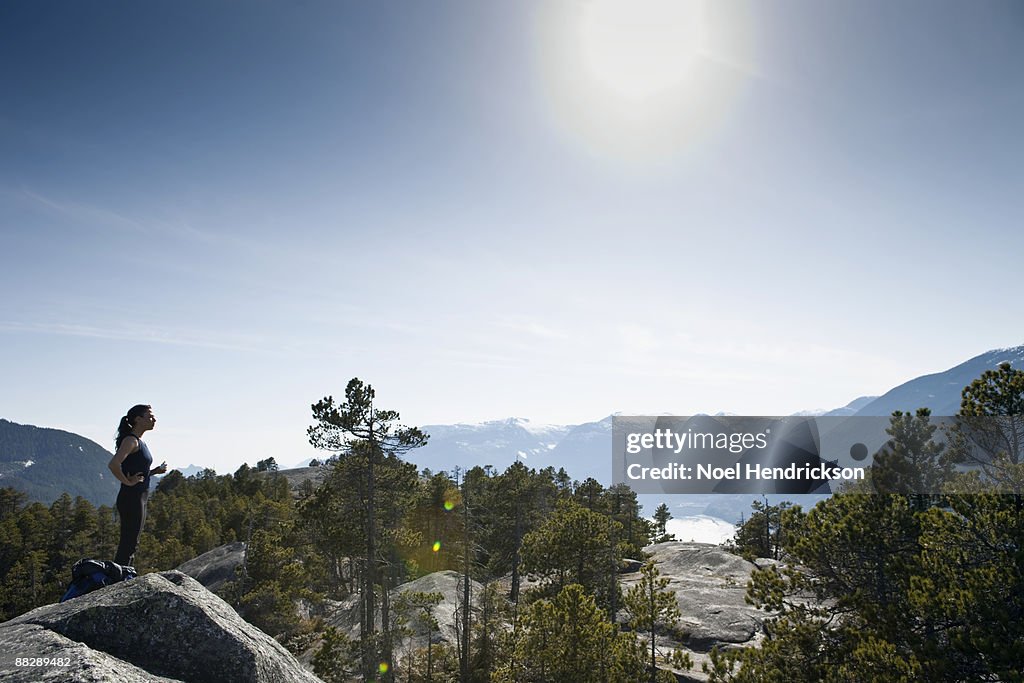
(416, 608)
(761, 534)
(59, 552)
(433, 517)
(513, 504)
(650, 604)
(911, 463)
(969, 589)
(577, 546)
(107, 532)
(493, 612)
(661, 517)
(268, 465)
(990, 427)
(27, 585)
(590, 494)
(11, 502)
(855, 554)
(338, 659)
(358, 427)
(622, 505)
(570, 639)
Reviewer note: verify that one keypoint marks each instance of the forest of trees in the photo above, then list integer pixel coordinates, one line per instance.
(312, 545)
(902, 585)
(898, 586)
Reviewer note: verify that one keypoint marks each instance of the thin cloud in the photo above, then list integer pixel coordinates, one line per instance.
(85, 213)
(97, 216)
(155, 335)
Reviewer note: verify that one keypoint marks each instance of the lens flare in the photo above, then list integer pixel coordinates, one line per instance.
(449, 505)
(383, 667)
(437, 546)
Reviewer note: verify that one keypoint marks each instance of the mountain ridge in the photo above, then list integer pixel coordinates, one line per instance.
(580, 449)
(45, 462)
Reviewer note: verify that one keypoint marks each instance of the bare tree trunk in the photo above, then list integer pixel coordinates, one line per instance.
(385, 617)
(369, 597)
(464, 663)
(514, 594)
(654, 663)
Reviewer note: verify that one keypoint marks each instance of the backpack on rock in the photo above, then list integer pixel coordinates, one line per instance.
(87, 575)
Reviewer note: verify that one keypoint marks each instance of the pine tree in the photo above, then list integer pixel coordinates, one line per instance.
(570, 639)
(990, 427)
(621, 502)
(416, 610)
(650, 604)
(911, 463)
(575, 546)
(855, 554)
(661, 517)
(357, 426)
(762, 534)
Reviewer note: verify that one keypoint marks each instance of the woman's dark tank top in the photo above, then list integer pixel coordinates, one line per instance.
(137, 461)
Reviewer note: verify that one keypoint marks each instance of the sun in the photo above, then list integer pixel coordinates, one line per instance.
(638, 81)
(640, 49)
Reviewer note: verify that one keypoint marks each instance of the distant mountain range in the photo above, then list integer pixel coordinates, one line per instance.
(46, 462)
(942, 391)
(584, 450)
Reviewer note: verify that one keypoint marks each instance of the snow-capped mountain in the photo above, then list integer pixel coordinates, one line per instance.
(497, 442)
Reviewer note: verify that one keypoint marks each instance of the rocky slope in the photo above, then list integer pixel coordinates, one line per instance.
(710, 586)
(709, 583)
(218, 566)
(344, 615)
(158, 627)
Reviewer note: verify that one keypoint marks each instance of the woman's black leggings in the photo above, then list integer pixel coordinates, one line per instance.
(131, 507)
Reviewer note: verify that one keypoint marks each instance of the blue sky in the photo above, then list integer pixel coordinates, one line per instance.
(229, 209)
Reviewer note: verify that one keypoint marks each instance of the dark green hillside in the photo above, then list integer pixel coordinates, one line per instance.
(44, 463)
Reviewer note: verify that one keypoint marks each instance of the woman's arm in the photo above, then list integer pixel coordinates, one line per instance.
(126, 448)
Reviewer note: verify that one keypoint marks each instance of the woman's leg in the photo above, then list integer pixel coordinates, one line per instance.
(131, 507)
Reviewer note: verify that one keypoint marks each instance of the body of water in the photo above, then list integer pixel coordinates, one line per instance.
(701, 529)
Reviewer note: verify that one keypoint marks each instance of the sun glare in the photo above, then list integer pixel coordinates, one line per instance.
(637, 80)
(639, 49)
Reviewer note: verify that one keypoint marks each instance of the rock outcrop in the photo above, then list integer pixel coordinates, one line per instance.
(344, 615)
(449, 585)
(709, 583)
(158, 627)
(215, 568)
(710, 586)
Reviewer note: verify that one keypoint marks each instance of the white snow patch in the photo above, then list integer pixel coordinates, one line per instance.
(537, 428)
(815, 412)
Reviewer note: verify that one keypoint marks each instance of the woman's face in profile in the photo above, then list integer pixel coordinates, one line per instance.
(147, 419)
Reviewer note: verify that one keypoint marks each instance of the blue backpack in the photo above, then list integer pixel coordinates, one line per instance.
(87, 575)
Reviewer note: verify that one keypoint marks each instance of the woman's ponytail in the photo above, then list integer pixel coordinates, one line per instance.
(124, 428)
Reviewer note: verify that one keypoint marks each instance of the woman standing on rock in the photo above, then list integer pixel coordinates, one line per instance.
(131, 466)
